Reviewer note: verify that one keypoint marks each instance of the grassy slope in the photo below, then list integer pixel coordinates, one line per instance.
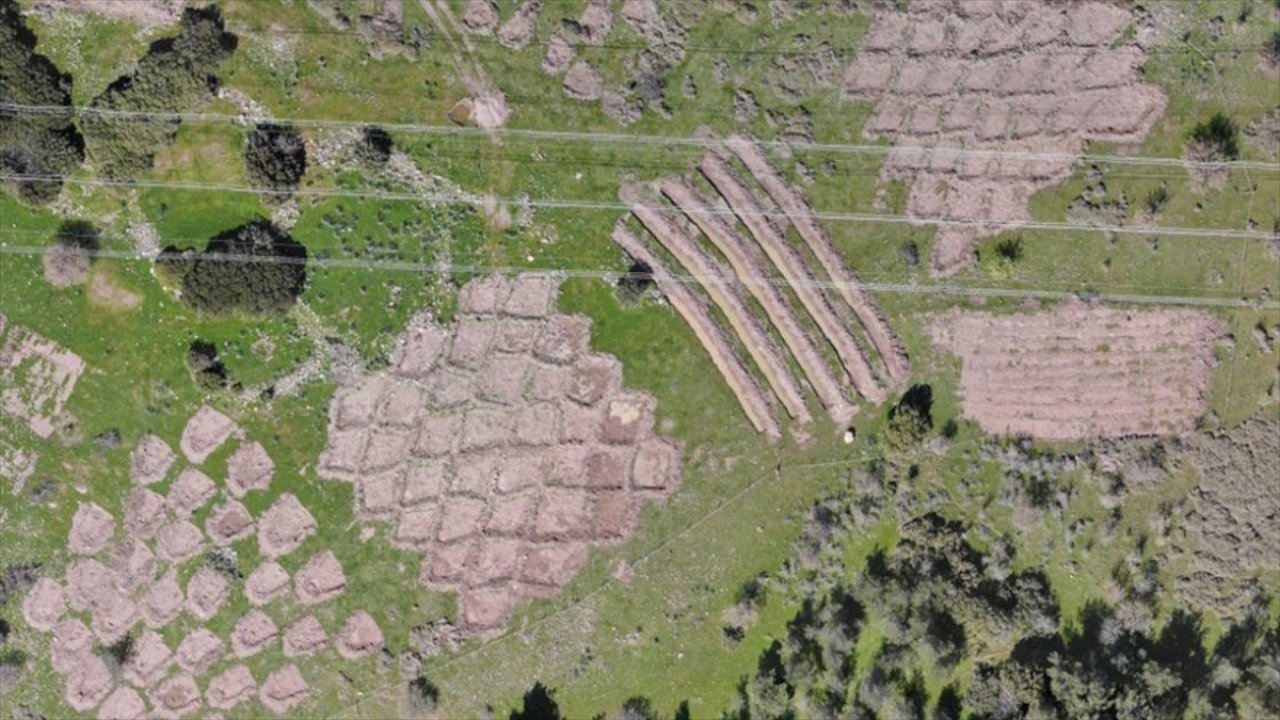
(687, 568)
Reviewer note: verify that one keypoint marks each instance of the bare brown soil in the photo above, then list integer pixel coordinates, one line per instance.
(105, 292)
(123, 704)
(284, 689)
(36, 377)
(266, 583)
(595, 22)
(91, 529)
(150, 461)
(284, 526)
(148, 661)
(304, 637)
(491, 439)
(249, 468)
(176, 697)
(205, 432)
(1079, 371)
(153, 13)
(44, 605)
(582, 82)
(162, 602)
(718, 282)
(88, 683)
(1233, 530)
(694, 311)
(1021, 77)
(144, 512)
(517, 31)
(207, 590)
(189, 492)
(230, 688)
(252, 633)
(179, 540)
(228, 522)
(321, 579)
(65, 267)
(359, 636)
(198, 650)
(559, 55)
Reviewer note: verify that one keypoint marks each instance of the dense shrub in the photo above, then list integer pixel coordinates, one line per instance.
(254, 269)
(910, 420)
(539, 704)
(635, 282)
(34, 143)
(206, 368)
(276, 159)
(1218, 138)
(374, 147)
(423, 695)
(66, 262)
(177, 74)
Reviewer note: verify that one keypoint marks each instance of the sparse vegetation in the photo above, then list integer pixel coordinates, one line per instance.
(67, 260)
(44, 142)
(1157, 199)
(178, 74)
(276, 159)
(254, 269)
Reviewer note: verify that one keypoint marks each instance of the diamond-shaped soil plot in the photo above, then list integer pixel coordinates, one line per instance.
(320, 579)
(150, 461)
(144, 512)
(178, 540)
(189, 492)
(252, 633)
(125, 704)
(304, 637)
(147, 660)
(267, 582)
(44, 605)
(284, 526)
(205, 432)
(198, 650)
(91, 529)
(206, 592)
(228, 522)
(523, 451)
(359, 636)
(176, 697)
(230, 688)
(249, 468)
(284, 689)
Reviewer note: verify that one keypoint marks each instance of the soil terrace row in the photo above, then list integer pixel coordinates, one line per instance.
(718, 283)
(695, 313)
(747, 261)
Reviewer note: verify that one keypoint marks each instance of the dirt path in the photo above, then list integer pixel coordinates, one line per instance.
(719, 283)
(881, 335)
(694, 312)
(792, 267)
(748, 263)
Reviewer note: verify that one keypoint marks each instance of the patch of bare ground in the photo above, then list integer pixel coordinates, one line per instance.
(1015, 78)
(1079, 371)
(36, 377)
(150, 14)
(1233, 529)
(718, 282)
(105, 292)
(496, 442)
(517, 31)
(128, 577)
(694, 311)
(359, 636)
(65, 266)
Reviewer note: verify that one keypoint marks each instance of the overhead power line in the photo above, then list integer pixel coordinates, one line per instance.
(874, 287)
(618, 206)
(639, 139)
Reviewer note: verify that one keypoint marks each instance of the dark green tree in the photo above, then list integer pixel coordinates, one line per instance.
(275, 157)
(374, 147)
(254, 269)
(539, 704)
(43, 143)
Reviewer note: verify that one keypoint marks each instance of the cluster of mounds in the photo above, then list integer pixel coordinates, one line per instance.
(1037, 78)
(1081, 371)
(36, 377)
(123, 588)
(500, 446)
(1233, 530)
(850, 329)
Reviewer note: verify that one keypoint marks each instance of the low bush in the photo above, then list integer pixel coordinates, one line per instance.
(1217, 138)
(275, 157)
(206, 368)
(254, 269)
(374, 147)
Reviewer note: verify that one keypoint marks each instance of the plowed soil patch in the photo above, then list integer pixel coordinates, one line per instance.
(1078, 372)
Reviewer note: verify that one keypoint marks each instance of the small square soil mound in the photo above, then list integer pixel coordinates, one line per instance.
(189, 492)
(400, 406)
(144, 512)
(359, 636)
(176, 697)
(502, 379)
(595, 377)
(436, 435)
(378, 495)
(424, 480)
(204, 433)
(445, 567)
(249, 468)
(512, 515)
(563, 339)
(448, 388)
(355, 407)
(536, 424)
(88, 582)
(88, 683)
(284, 526)
(628, 418)
(485, 608)
(515, 336)
(657, 465)
(230, 688)
(495, 561)
(304, 637)
(91, 529)
(283, 689)
(252, 633)
(563, 514)
(44, 605)
(133, 563)
(579, 424)
(206, 592)
(485, 296)
(148, 661)
(162, 602)
(385, 450)
(605, 470)
(178, 541)
(486, 427)
(123, 704)
(548, 382)
(150, 461)
(113, 616)
(71, 643)
(614, 516)
(550, 567)
(416, 355)
(198, 650)
(266, 583)
(532, 296)
(462, 519)
(320, 579)
(343, 453)
(228, 522)
(417, 526)
(471, 341)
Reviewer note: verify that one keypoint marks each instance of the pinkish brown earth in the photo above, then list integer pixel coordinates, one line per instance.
(1000, 81)
(1079, 371)
(37, 377)
(501, 447)
(125, 580)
